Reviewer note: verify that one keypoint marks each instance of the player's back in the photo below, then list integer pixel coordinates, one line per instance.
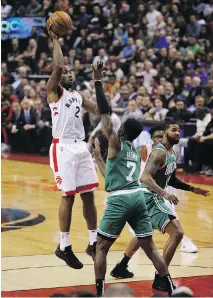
(66, 116)
(122, 172)
(164, 173)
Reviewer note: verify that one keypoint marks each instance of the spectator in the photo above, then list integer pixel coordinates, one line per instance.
(186, 88)
(8, 77)
(152, 15)
(15, 132)
(119, 290)
(149, 73)
(179, 112)
(101, 56)
(33, 9)
(208, 94)
(158, 112)
(27, 125)
(193, 28)
(132, 112)
(129, 50)
(194, 91)
(5, 9)
(146, 104)
(169, 94)
(204, 151)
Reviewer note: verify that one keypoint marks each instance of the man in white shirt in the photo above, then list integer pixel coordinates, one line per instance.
(101, 57)
(151, 16)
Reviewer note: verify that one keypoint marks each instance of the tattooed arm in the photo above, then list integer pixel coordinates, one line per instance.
(156, 160)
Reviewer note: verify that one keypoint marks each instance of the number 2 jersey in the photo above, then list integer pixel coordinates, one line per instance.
(66, 116)
(122, 172)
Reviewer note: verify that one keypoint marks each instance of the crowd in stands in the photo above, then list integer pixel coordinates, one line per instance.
(158, 57)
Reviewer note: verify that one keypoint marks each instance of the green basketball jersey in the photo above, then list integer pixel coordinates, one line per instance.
(164, 173)
(122, 172)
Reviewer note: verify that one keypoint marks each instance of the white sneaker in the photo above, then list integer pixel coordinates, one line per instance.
(188, 246)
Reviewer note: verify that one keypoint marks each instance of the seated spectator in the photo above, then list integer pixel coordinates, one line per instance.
(33, 9)
(204, 154)
(179, 112)
(5, 9)
(199, 103)
(146, 104)
(186, 88)
(193, 28)
(16, 145)
(194, 91)
(132, 112)
(207, 93)
(149, 73)
(169, 94)
(9, 79)
(101, 56)
(128, 51)
(158, 112)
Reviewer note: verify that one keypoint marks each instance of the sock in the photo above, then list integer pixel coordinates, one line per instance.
(64, 240)
(125, 260)
(92, 236)
(169, 284)
(100, 287)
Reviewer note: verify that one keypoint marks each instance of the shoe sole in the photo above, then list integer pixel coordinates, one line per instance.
(74, 267)
(119, 277)
(189, 252)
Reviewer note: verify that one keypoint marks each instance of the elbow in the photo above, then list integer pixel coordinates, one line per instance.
(58, 67)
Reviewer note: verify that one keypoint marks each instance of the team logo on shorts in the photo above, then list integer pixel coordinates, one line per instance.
(58, 180)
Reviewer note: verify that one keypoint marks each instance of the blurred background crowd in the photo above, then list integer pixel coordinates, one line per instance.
(159, 66)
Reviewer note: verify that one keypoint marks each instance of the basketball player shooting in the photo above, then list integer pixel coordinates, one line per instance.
(70, 159)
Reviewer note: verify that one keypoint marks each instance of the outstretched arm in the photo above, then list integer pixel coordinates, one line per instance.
(96, 153)
(156, 160)
(107, 127)
(58, 67)
(177, 183)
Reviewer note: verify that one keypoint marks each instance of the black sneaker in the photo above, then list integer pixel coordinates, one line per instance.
(91, 250)
(121, 271)
(69, 257)
(159, 284)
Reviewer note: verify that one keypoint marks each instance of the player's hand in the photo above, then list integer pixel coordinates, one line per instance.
(51, 33)
(173, 199)
(200, 191)
(202, 139)
(96, 151)
(98, 70)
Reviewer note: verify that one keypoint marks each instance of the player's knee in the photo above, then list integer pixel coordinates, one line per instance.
(102, 246)
(178, 234)
(68, 200)
(88, 198)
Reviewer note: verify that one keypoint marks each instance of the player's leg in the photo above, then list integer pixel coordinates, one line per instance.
(65, 171)
(175, 231)
(109, 230)
(187, 244)
(86, 181)
(140, 222)
(90, 215)
(165, 221)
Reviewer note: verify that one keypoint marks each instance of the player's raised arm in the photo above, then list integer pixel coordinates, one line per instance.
(156, 160)
(103, 107)
(58, 67)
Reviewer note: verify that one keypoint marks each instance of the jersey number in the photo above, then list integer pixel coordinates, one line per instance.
(132, 166)
(77, 112)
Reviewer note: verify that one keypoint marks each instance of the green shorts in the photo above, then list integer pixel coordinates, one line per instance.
(160, 215)
(125, 206)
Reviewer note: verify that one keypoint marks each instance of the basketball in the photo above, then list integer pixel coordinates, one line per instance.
(61, 23)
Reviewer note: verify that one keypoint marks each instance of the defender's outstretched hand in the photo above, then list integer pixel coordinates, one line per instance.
(200, 191)
(98, 70)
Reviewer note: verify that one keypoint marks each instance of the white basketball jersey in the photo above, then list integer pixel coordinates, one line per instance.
(67, 117)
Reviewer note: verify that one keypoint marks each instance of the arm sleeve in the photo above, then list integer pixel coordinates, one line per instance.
(178, 184)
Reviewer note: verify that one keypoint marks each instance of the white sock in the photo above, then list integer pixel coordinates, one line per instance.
(92, 236)
(64, 240)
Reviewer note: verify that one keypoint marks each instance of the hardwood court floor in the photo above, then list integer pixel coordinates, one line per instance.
(30, 225)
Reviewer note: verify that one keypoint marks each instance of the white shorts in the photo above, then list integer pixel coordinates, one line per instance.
(73, 167)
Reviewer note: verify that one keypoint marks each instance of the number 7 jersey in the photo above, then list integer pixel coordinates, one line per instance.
(122, 172)
(66, 116)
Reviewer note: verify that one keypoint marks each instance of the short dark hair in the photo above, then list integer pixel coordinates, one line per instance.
(154, 129)
(168, 123)
(132, 128)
